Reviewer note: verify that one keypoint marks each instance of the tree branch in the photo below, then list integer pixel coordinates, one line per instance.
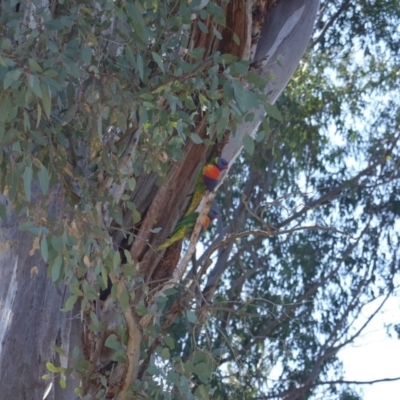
(133, 346)
(328, 24)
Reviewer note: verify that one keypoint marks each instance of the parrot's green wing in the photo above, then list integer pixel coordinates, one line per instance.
(183, 227)
(187, 220)
(199, 190)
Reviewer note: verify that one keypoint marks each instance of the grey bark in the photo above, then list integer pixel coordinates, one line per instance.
(284, 39)
(30, 318)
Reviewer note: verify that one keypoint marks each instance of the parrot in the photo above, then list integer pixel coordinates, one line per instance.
(185, 226)
(208, 180)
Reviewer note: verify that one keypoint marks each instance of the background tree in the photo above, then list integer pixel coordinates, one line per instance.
(108, 111)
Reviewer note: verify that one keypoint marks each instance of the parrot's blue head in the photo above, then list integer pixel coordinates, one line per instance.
(221, 163)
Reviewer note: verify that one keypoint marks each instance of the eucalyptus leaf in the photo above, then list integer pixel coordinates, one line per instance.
(158, 60)
(27, 178)
(273, 112)
(69, 304)
(248, 144)
(43, 176)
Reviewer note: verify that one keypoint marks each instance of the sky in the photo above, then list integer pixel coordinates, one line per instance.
(374, 355)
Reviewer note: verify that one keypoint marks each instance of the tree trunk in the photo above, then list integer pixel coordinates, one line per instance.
(30, 318)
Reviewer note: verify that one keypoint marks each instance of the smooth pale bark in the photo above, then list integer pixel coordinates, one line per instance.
(284, 39)
(30, 318)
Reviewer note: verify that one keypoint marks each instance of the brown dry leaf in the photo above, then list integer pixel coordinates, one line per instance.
(35, 246)
(86, 260)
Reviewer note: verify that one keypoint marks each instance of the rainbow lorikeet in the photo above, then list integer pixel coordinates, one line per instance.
(207, 180)
(185, 226)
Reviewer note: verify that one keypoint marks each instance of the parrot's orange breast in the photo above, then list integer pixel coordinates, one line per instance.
(211, 171)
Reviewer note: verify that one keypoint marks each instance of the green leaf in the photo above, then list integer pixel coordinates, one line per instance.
(273, 112)
(196, 138)
(169, 342)
(27, 122)
(104, 276)
(227, 58)
(74, 289)
(34, 65)
(153, 370)
(188, 367)
(129, 270)
(131, 183)
(90, 291)
(217, 33)
(27, 178)
(43, 176)
(128, 256)
(141, 310)
(139, 61)
(191, 316)
(2, 62)
(39, 114)
(96, 324)
(202, 27)
(116, 259)
(112, 342)
(236, 39)
(34, 85)
(241, 67)
(57, 243)
(44, 249)
(56, 268)
(75, 353)
(248, 144)
(3, 212)
(202, 369)
(106, 252)
(124, 300)
(51, 73)
(59, 350)
(46, 100)
(202, 392)
(220, 351)
(184, 386)
(116, 214)
(136, 216)
(165, 354)
(63, 384)
(69, 304)
(114, 290)
(51, 367)
(11, 77)
(260, 136)
(53, 25)
(86, 54)
(158, 60)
